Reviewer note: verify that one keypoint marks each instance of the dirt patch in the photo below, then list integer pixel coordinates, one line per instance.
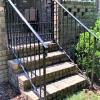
(7, 92)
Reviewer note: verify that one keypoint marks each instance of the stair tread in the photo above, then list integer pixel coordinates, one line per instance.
(31, 58)
(64, 83)
(49, 69)
(32, 45)
(59, 85)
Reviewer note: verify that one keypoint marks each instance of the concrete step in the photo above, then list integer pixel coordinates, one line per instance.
(59, 89)
(52, 58)
(23, 50)
(53, 72)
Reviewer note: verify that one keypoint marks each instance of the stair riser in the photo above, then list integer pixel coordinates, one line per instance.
(30, 51)
(49, 78)
(13, 79)
(49, 61)
(38, 64)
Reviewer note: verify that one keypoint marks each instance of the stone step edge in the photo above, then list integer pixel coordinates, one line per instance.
(24, 51)
(30, 94)
(14, 63)
(54, 72)
(32, 45)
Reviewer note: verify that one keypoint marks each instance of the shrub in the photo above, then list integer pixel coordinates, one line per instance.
(85, 48)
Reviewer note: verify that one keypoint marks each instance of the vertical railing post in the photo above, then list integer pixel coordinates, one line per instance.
(52, 19)
(93, 65)
(44, 70)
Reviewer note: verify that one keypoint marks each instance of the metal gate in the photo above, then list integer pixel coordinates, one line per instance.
(37, 13)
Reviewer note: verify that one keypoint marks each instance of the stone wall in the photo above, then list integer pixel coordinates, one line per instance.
(84, 11)
(3, 45)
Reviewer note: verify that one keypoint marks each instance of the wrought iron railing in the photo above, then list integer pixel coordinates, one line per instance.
(74, 38)
(53, 22)
(23, 37)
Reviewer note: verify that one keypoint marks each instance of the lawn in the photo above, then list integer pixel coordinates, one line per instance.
(82, 95)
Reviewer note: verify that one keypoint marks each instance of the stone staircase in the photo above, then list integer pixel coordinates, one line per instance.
(62, 77)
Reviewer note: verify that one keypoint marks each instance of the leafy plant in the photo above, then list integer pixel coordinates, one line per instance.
(85, 49)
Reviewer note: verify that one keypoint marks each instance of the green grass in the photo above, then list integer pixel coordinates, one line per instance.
(84, 96)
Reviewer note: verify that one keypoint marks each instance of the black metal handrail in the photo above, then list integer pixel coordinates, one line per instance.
(74, 38)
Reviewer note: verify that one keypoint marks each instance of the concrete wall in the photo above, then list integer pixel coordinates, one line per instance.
(3, 45)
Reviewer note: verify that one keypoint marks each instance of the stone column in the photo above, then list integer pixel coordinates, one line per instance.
(3, 45)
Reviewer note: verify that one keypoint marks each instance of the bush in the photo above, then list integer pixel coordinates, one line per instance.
(85, 48)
